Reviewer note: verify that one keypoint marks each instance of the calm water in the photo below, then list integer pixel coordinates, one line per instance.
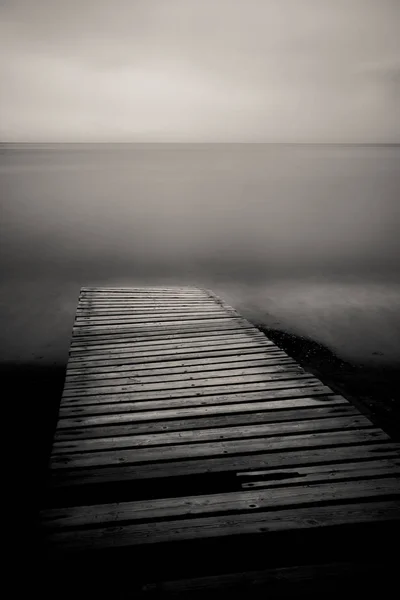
(303, 238)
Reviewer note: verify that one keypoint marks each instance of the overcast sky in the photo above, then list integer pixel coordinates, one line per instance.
(200, 70)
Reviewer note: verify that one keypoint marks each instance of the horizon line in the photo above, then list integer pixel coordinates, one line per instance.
(142, 142)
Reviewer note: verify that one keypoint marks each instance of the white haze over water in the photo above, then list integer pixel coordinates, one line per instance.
(302, 238)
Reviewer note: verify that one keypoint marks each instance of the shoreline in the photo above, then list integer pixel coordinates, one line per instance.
(372, 389)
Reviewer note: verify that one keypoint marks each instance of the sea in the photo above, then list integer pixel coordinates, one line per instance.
(300, 238)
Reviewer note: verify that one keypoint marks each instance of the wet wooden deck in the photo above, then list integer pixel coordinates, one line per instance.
(185, 433)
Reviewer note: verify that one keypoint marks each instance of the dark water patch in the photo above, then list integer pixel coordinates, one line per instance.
(32, 399)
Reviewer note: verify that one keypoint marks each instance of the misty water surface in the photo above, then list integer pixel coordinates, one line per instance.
(302, 238)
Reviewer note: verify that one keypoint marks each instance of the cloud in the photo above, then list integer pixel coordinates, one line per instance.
(185, 69)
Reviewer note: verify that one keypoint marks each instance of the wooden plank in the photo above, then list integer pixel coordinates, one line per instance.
(180, 291)
(181, 294)
(147, 299)
(77, 345)
(156, 293)
(145, 289)
(95, 311)
(161, 354)
(181, 323)
(103, 308)
(251, 393)
(163, 470)
(152, 350)
(272, 501)
(222, 322)
(127, 359)
(373, 469)
(258, 367)
(196, 363)
(148, 355)
(78, 415)
(87, 376)
(227, 503)
(133, 307)
(195, 450)
(143, 345)
(150, 314)
(159, 300)
(167, 355)
(180, 342)
(174, 382)
(144, 295)
(150, 299)
(176, 337)
(160, 333)
(111, 320)
(239, 524)
(241, 431)
(107, 415)
(256, 414)
(156, 329)
(201, 393)
(177, 323)
(88, 380)
(133, 319)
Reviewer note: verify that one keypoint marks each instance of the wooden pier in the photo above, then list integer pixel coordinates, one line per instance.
(191, 452)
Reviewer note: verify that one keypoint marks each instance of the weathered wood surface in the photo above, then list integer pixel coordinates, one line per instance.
(180, 423)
